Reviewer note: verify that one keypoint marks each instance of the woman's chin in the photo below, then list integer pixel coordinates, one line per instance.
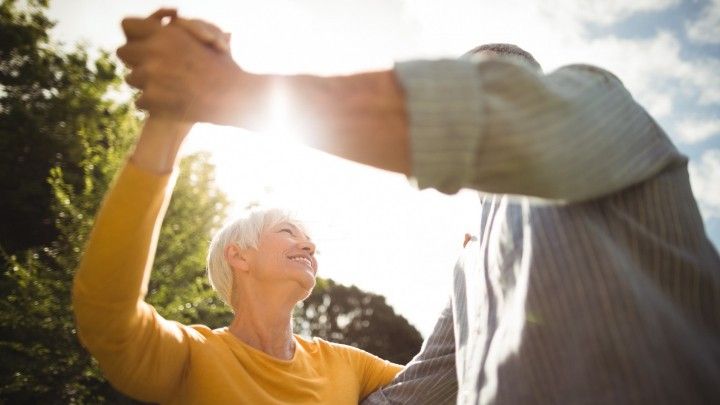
(308, 289)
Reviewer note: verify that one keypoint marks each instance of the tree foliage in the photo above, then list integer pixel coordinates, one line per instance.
(47, 97)
(62, 140)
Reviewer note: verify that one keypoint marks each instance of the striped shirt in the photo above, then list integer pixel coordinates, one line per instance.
(592, 279)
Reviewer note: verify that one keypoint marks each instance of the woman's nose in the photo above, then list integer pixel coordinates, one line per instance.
(308, 246)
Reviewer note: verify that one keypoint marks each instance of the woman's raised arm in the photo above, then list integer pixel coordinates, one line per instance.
(141, 353)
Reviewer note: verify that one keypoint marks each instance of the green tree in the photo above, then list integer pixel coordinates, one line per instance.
(61, 142)
(354, 317)
(43, 359)
(46, 98)
(179, 288)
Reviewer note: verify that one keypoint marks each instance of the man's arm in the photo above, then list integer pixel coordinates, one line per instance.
(184, 78)
(492, 125)
(498, 126)
(430, 378)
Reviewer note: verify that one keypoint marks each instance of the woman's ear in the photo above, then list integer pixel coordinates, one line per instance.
(237, 257)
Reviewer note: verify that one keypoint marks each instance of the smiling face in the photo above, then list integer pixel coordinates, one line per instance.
(285, 257)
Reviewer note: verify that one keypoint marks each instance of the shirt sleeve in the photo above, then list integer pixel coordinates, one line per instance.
(140, 353)
(499, 126)
(430, 378)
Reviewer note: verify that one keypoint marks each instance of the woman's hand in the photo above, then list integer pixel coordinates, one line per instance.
(161, 137)
(138, 29)
(205, 32)
(184, 69)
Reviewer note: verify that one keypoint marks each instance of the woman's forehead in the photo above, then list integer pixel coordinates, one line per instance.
(292, 223)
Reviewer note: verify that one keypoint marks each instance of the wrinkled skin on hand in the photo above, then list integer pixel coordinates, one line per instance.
(184, 69)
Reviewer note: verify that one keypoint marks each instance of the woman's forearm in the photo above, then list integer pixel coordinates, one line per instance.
(157, 148)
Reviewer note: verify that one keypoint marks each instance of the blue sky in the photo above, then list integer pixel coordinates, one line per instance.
(696, 27)
(373, 229)
(679, 20)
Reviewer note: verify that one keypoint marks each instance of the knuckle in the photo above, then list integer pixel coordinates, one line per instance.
(121, 52)
(151, 91)
(148, 99)
(171, 31)
(176, 33)
(153, 69)
(141, 102)
(126, 23)
(130, 79)
(135, 78)
(132, 26)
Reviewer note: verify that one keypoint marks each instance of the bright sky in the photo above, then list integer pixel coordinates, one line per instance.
(372, 228)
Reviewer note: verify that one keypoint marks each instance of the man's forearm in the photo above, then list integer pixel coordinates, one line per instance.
(359, 117)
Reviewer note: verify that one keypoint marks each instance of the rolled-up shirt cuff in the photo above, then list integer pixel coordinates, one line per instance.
(445, 113)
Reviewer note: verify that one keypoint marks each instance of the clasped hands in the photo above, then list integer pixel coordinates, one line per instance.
(185, 71)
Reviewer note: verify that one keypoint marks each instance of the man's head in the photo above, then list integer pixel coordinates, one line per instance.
(505, 50)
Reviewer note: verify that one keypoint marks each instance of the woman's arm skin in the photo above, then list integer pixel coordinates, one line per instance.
(157, 148)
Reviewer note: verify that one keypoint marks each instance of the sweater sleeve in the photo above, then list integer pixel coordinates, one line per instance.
(501, 127)
(373, 371)
(140, 353)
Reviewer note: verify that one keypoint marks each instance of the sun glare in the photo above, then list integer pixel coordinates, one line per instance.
(344, 203)
(280, 122)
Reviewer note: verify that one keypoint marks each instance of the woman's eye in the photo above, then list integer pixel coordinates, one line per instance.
(288, 230)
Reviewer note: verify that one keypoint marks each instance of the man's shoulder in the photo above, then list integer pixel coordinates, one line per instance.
(591, 71)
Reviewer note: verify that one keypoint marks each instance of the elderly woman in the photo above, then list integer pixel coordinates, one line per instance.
(261, 265)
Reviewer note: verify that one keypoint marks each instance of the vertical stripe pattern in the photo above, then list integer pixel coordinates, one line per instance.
(591, 279)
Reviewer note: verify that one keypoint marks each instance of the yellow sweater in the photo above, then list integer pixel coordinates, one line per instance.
(153, 359)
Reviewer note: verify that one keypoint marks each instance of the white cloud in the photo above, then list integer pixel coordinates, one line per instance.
(707, 27)
(705, 180)
(605, 12)
(652, 69)
(704, 74)
(453, 27)
(694, 130)
(556, 33)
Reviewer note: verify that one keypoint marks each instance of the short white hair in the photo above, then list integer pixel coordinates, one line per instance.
(245, 233)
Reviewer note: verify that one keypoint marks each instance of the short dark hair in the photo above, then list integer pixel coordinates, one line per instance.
(505, 49)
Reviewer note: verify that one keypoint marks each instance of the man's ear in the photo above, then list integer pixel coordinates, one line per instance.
(237, 257)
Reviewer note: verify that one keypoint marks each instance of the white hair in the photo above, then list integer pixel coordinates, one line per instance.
(245, 233)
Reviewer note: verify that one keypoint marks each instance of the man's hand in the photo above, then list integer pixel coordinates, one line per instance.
(205, 32)
(184, 69)
(184, 76)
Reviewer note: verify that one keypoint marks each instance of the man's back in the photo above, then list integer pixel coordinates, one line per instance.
(602, 288)
(614, 299)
